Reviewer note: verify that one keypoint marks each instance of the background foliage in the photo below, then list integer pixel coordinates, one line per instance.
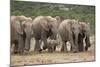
(83, 13)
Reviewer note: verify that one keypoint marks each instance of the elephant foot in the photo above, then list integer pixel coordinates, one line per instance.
(50, 50)
(62, 50)
(15, 52)
(44, 47)
(89, 45)
(21, 52)
(81, 50)
(26, 51)
(38, 50)
(86, 48)
(75, 51)
(65, 51)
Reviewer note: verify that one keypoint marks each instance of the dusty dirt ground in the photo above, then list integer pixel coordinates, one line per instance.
(33, 58)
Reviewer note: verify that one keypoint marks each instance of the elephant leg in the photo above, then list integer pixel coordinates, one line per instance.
(45, 46)
(65, 47)
(27, 44)
(73, 47)
(81, 46)
(15, 47)
(87, 40)
(21, 45)
(44, 39)
(62, 48)
(54, 48)
(80, 43)
(74, 42)
(37, 46)
(50, 49)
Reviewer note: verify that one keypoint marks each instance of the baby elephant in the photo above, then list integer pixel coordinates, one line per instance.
(52, 45)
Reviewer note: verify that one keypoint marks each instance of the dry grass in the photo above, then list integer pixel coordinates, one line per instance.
(55, 57)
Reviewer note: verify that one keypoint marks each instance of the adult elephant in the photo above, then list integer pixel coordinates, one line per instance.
(84, 35)
(55, 34)
(43, 27)
(69, 30)
(18, 34)
(27, 27)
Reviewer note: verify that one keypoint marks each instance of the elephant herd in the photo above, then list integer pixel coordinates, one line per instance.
(52, 31)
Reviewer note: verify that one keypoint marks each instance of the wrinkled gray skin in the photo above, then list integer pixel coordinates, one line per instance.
(43, 27)
(21, 33)
(52, 45)
(84, 34)
(27, 26)
(17, 33)
(54, 37)
(69, 30)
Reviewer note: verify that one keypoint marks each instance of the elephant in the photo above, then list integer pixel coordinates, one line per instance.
(69, 30)
(54, 38)
(54, 35)
(52, 45)
(18, 34)
(84, 35)
(43, 27)
(27, 27)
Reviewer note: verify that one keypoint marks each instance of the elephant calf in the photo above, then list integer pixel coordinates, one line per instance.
(52, 45)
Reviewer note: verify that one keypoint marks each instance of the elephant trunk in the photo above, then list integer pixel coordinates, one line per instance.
(87, 40)
(76, 41)
(27, 43)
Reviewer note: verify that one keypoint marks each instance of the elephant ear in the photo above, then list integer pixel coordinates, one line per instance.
(17, 26)
(26, 22)
(22, 18)
(71, 24)
(58, 19)
(83, 25)
(40, 21)
(44, 24)
(27, 25)
(50, 21)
